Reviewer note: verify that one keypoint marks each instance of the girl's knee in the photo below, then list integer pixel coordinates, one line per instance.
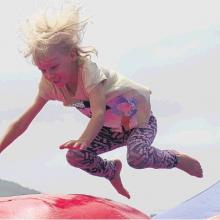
(140, 164)
(74, 157)
(135, 163)
(132, 164)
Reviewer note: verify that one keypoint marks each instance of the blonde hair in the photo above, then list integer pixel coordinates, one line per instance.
(61, 28)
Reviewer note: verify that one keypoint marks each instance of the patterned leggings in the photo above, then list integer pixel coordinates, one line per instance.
(140, 153)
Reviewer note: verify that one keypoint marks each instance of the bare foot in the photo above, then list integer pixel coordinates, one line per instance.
(189, 165)
(116, 181)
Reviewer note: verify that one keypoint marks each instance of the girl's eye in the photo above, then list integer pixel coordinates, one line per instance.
(54, 67)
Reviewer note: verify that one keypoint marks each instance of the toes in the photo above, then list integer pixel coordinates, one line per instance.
(190, 165)
(198, 169)
(116, 181)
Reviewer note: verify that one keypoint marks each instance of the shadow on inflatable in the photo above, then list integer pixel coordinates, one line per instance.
(75, 206)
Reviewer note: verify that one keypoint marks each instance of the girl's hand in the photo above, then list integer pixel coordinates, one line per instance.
(75, 144)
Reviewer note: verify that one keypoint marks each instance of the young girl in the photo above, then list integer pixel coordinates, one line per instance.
(119, 109)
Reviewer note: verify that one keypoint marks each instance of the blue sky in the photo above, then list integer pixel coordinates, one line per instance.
(173, 47)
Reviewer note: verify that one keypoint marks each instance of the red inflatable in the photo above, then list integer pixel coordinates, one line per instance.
(41, 206)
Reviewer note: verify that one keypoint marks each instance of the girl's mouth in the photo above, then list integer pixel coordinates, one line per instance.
(56, 81)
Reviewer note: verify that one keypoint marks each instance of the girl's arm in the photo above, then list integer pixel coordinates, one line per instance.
(98, 107)
(97, 103)
(21, 124)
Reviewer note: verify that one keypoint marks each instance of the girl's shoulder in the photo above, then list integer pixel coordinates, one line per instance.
(46, 89)
(49, 91)
(91, 75)
(45, 85)
(88, 65)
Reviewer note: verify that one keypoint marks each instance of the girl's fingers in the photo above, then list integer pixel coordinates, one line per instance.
(82, 146)
(70, 145)
(76, 146)
(67, 145)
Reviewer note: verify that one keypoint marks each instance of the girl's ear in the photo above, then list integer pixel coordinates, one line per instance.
(73, 54)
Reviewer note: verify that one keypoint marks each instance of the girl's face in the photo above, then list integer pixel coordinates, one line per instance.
(57, 67)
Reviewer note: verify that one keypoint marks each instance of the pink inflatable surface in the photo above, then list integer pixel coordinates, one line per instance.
(76, 206)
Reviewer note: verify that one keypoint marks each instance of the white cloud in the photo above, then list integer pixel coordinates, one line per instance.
(192, 132)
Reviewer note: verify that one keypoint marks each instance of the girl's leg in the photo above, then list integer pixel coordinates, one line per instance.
(141, 154)
(88, 160)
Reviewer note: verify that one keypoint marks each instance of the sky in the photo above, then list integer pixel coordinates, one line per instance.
(173, 47)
